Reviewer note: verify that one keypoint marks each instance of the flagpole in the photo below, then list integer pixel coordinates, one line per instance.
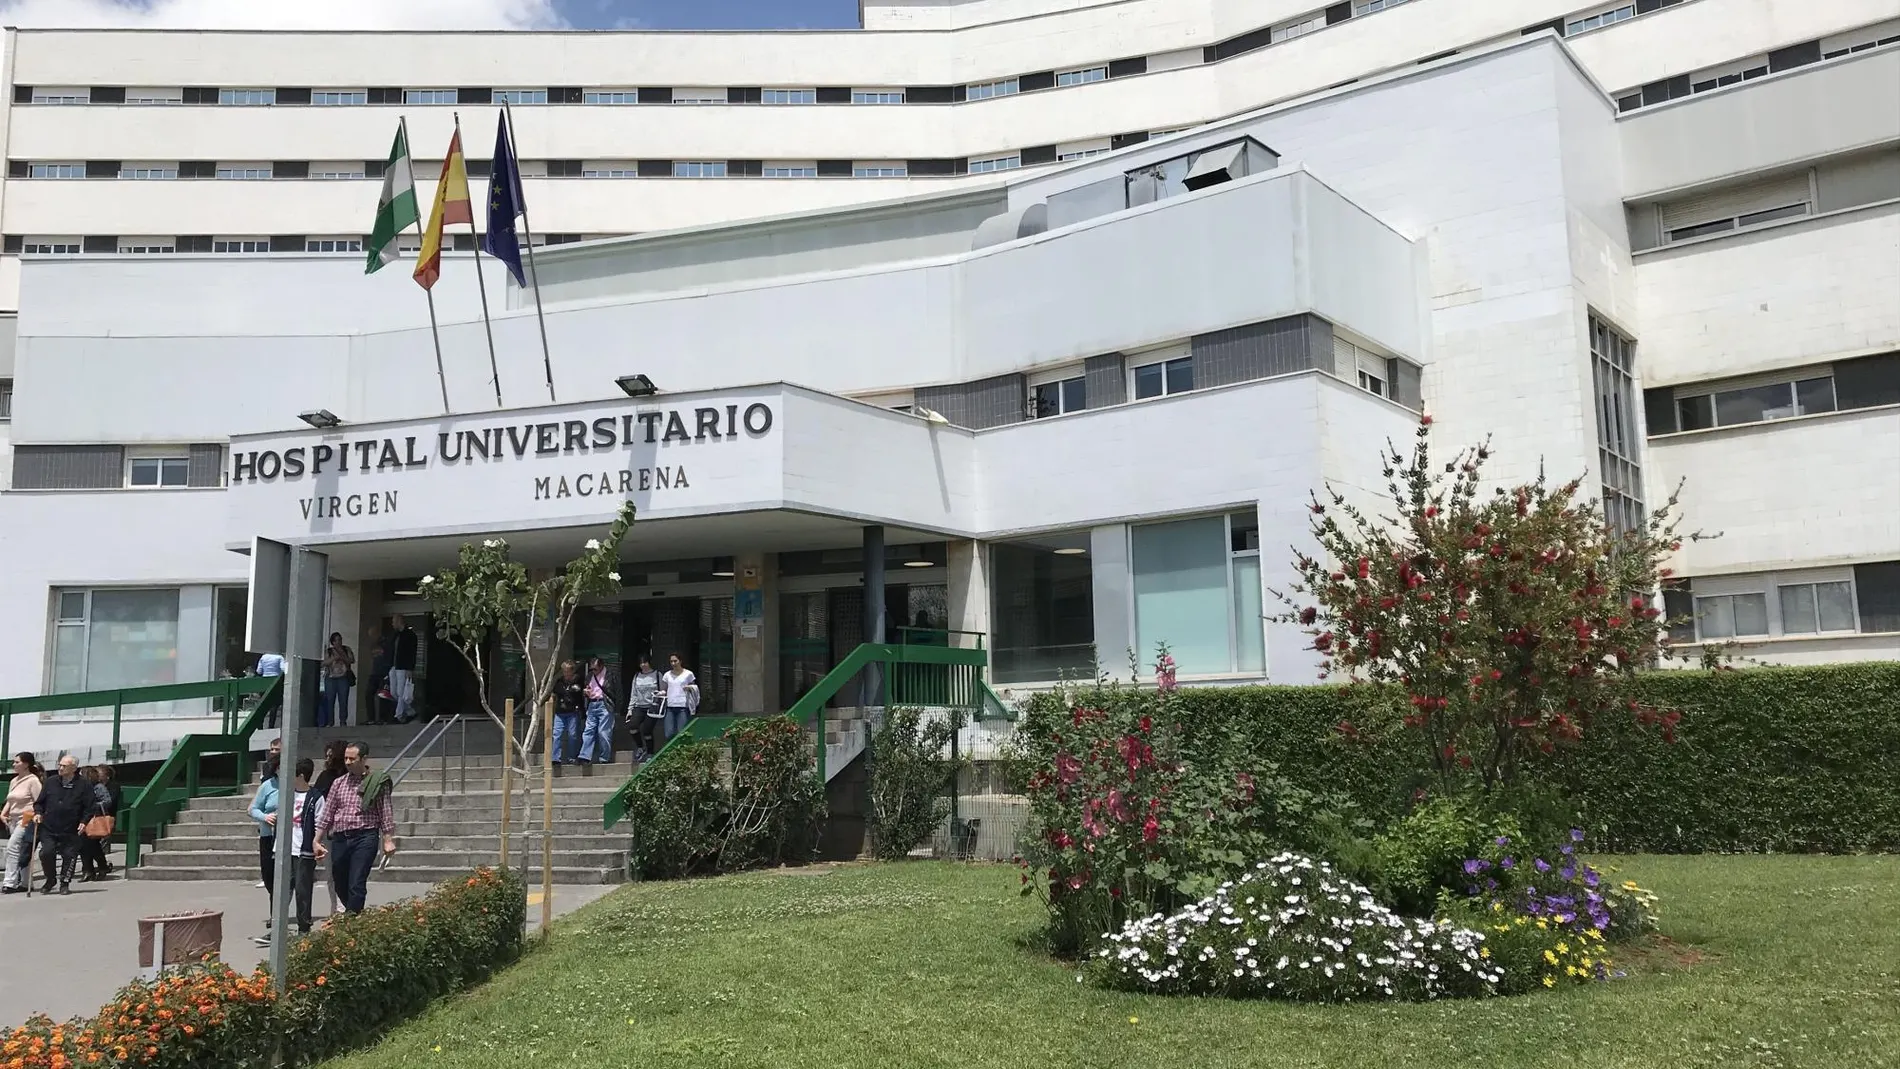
(514, 150)
(409, 158)
(479, 283)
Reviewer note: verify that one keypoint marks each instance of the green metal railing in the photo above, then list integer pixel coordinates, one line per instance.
(914, 673)
(155, 804)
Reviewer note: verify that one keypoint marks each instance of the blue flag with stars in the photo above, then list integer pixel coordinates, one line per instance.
(504, 204)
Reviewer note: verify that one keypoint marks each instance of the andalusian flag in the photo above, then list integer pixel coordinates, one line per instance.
(451, 206)
(397, 209)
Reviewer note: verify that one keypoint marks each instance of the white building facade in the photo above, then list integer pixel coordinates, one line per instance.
(1655, 243)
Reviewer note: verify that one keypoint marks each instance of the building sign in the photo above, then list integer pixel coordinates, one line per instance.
(510, 469)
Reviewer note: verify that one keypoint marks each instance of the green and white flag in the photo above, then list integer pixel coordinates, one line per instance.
(396, 209)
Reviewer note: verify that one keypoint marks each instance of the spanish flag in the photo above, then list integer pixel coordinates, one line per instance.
(451, 206)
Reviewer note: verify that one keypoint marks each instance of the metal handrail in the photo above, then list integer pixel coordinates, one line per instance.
(435, 731)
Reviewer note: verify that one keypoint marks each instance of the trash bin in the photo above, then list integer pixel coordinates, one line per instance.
(180, 938)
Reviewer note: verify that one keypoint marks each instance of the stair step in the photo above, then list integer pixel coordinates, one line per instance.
(592, 839)
(397, 872)
(464, 859)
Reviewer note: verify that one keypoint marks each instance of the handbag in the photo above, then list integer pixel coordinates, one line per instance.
(351, 676)
(99, 827)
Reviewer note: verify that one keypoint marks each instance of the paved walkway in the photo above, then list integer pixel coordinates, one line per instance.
(90, 938)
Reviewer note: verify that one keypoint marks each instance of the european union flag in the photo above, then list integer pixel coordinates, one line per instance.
(504, 204)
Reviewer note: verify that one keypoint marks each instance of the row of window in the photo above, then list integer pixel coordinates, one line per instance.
(1749, 68)
(1864, 599)
(98, 245)
(1845, 385)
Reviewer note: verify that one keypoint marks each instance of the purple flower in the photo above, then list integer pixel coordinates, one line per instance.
(1564, 918)
(1475, 865)
(1576, 835)
(1507, 863)
(1542, 865)
(1491, 885)
(1567, 849)
(1502, 840)
(1471, 889)
(1589, 877)
(1569, 871)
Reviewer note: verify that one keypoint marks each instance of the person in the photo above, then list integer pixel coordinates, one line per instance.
(644, 711)
(23, 794)
(333, 769)
(570, 705)
(355, 812)
(268, 665)
(92, 851)
(402, 668)
(682, 694)
(597, 736)
(264, 805)
(303, 862)
(339, 675)
(378, 677)
(65, 805)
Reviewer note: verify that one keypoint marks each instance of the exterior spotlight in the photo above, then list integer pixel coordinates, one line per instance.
(636, 386)
(321, 418)
(928, 415)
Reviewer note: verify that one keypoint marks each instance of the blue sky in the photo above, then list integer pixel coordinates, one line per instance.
(710, 14)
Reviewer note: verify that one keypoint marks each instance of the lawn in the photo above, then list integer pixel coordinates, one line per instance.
(1770, 961)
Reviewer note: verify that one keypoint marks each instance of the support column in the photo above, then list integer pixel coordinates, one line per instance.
(754, 635)
(969, 592)
(873, 611)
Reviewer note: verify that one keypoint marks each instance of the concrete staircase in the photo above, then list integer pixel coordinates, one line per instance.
(440, 831)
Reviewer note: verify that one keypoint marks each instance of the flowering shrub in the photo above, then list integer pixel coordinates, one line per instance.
(1537, 952)
(1293, 928)
(1133, 812)
(1563, 889)
(910, 772)
(200, 1017)
(676, 807)
(688, 818)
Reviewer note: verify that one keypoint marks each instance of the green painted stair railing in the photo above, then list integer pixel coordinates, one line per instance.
(914, 674)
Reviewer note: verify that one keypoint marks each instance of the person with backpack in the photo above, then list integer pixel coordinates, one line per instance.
(305, 807)
(597, 736)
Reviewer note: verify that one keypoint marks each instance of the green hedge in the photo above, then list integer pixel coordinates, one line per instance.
(1767, 759)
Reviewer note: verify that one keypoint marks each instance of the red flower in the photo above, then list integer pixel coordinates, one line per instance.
(1150, 830)
(1424, 421)
(1308, 615)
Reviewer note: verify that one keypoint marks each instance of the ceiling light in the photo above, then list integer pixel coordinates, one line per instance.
(1071, 551)
(920, 564)
(407, 593)
(723, 575)
(321, 418)
(636, 386)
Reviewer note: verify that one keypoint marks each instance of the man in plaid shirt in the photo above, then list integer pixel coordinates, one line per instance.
(356, 812)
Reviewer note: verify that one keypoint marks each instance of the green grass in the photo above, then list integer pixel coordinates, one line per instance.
(1772, 961)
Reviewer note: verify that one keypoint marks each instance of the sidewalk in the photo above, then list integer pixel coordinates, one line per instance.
(90, 939)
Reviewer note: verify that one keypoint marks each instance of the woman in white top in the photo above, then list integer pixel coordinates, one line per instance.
(22, 795)
(682, 695)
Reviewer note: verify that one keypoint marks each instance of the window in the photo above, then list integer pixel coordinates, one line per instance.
(1367, 7)
(1600, 19)
(880, 170)
(1755, 404)
(151, 97)
(1083, 76)
(56, 170)
(699, 96)
(430, 96)
(986, 90)
(1737, 207)
(246, 172)
(338, 97)
(1811, 608)
(1058, 398)
(6, 400)
(520, 97)
(1612, 363)
(611, 96)
(788, 96)
(789, 170)
(333, 245)
(1353, 363)
(247, 97)
(1298, 29)
(149, 171)
(996, 163)
(1720, 78)
(610, 169)
(52, 246)
(334, 171)
(699, 168)
(877, 96)
(157, 472)
(1042, 609)
(107, 639)
(1169, 377)
(62, 96)
(1731, 615)
(1197, 588)
(240, 245)
(1081, 150)
(147, 246)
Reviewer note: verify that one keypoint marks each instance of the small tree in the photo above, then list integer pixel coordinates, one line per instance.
(1506, 617)
(488, 593)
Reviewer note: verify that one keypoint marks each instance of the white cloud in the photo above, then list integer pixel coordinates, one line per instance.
(284, 14)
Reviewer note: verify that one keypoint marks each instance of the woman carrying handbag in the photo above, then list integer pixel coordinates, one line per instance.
(92, 849)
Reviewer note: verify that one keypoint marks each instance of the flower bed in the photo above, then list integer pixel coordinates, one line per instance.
(348, 982)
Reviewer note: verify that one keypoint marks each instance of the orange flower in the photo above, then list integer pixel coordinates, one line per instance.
(321, 980)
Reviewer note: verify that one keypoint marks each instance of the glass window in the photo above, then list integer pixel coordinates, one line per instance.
(157, 471)
(240, 245)
(985, 90)
(1808, 608)
(520, 96)
(1250, 650)
(154, 96)
(115, 638)
(1056, 398)
(1754, 404)
(143, 172)
(1612, 365)
(1603, 18)
(244, 171)
(146, 246)
(337, 171)
(699, 169)
(790, 170)
(1156, 380)
(1814, 395)
(338, 97)
(429, 96)
(605, 169)
(611, 96)
(56, 170)
(1199, 595)
(1087, 74)
(62, 96)
(788, 96)
(1297, 29)
(1081, 154)
(1367, 7)
(1695, 413)
(1731, 615)
(333, 245)
(996, 163)
(875, 96)
(247, 97)
(6, 400)
(700, 96)
(52, 246)
(1043, 610)
(888, 170)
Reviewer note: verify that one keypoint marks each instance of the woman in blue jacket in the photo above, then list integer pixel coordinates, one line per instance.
(264, 812)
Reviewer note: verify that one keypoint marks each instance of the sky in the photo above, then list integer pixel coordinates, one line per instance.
(435, 14)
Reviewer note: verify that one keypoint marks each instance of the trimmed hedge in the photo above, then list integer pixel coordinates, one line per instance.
(1767, 759)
